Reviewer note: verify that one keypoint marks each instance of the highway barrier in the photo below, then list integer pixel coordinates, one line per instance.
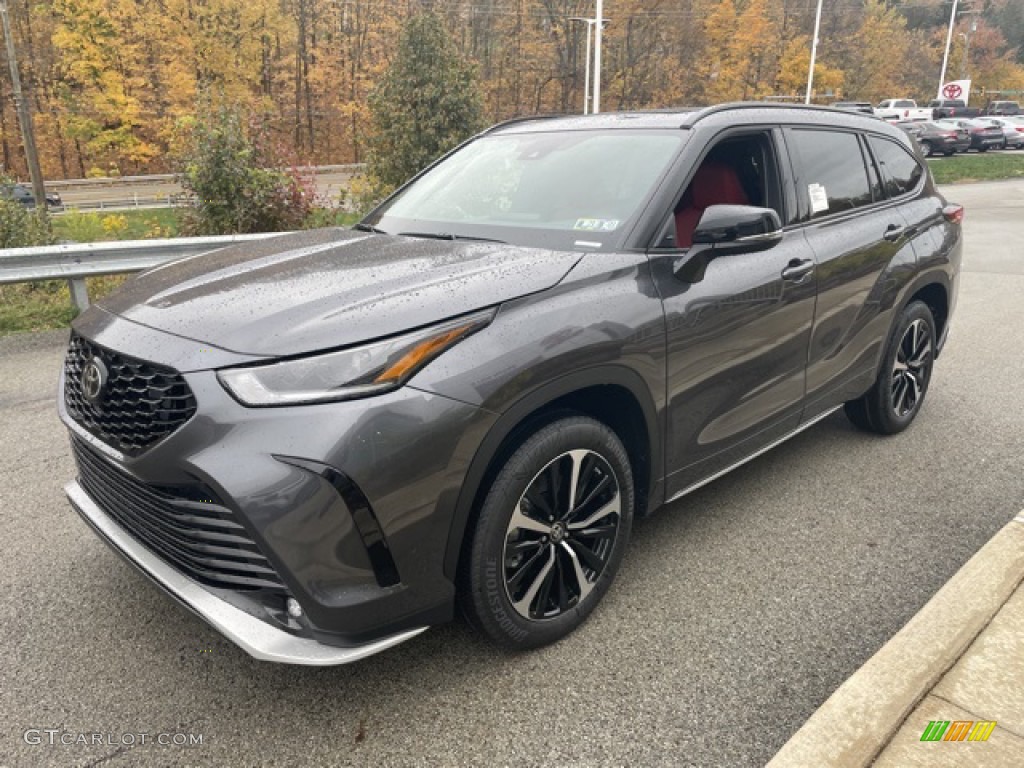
(76, 261)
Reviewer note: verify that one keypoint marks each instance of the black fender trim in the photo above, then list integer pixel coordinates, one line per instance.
(363, 517)
(933, 277)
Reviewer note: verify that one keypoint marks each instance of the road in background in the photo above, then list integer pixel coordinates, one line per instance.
(737, 612)
(157, 191)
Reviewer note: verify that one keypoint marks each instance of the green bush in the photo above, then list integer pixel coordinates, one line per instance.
(237, 182)
(19, 226)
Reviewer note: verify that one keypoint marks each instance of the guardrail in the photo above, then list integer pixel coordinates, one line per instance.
(168, 178)
(76, 261)
(126, 204)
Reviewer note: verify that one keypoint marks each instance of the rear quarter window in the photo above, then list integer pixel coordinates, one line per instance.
(901, 172)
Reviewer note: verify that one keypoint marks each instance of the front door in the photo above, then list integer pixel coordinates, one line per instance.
(738, 334)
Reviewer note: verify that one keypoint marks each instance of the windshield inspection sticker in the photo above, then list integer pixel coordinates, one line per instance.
(596, 225)
(819, 198)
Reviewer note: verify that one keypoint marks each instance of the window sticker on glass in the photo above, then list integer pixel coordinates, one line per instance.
(596, 225)
(819, 198)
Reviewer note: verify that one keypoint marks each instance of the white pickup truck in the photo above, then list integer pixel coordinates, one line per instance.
(902, 109)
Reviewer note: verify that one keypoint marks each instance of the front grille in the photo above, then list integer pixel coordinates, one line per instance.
(201, 538)
(141, 403)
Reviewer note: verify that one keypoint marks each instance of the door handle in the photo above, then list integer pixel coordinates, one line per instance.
(798, 269)
(894, 232)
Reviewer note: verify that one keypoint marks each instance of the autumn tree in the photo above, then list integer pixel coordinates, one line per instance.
(794, 64)
(874, 56)
(109, 80)
(426, 103)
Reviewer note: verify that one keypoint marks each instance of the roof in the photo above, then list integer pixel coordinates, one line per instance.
(688, 117)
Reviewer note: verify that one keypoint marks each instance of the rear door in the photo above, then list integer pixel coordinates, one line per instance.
(861, 242)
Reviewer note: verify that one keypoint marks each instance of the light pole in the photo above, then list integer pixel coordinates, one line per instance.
(599, 16)
(28, 138)
(949, 39)
(814, 53)
(586, 78)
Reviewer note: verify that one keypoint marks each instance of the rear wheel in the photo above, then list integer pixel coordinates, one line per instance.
(898, 393)
(551, 533)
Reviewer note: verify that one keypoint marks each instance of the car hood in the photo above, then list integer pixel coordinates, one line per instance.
(329, 288)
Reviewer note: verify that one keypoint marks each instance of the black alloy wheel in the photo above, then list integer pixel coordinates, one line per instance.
(897, 394)
(561, 534)
(912, 368)
(550, 535)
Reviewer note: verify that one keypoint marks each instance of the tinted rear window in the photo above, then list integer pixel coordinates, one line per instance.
(900, 170)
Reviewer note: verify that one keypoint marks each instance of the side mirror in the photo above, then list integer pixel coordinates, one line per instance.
(738, 229)
(725, 229)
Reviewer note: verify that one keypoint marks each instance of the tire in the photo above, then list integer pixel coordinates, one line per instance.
(929, 149)
(521, 582)
(983, 149)
(899, 391)
(950, 153)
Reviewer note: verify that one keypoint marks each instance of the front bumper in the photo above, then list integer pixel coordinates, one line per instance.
(351, 503)
(256, 637)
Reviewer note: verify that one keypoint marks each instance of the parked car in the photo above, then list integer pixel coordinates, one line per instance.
(855, 106)
(22, 193)
(962, 143)
(985, 134)
(902, 109)
(1004, 108)
(322, 443)
(1013, 132)
(945, 108)
(935, 139)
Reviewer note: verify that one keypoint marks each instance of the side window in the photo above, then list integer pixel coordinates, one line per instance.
(900, 170)
(739, 170)
(832, 174)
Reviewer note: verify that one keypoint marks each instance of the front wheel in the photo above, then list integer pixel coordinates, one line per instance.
(929, 150)
(897, 394)
(551, 533)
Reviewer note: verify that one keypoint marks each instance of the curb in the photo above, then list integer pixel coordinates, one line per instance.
(860, 718)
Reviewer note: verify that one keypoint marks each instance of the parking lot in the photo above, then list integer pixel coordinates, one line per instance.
(737, 612)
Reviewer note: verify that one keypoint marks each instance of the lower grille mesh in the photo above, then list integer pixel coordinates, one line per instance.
(202, 539)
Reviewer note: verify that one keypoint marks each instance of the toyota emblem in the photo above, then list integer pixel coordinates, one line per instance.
(94, 380)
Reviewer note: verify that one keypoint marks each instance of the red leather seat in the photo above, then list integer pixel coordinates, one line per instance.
(714, 183)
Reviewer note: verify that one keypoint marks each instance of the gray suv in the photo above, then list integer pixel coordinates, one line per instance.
(325, 443)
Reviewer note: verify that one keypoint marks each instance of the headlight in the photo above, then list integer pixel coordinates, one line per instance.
(348, 373)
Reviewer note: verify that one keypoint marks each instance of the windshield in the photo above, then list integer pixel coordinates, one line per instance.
(570, 190)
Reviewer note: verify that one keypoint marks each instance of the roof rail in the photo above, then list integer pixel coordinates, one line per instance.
(516, 120)
(734, 105)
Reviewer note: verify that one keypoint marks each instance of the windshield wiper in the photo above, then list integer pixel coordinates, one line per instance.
(450, 236)
(369, 228)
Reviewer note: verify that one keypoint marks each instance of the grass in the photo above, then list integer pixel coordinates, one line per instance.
(45, 305)
(122, 225)
(977, 167)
